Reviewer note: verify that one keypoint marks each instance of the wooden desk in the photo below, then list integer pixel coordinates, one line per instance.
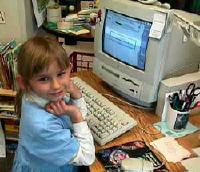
(145, 120)
(70, 39)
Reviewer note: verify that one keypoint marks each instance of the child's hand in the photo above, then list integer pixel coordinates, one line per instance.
(74, 91)
(61, 108)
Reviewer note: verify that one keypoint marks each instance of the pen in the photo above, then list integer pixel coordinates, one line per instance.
(187, 106)
(180, 95)
(175, 100)
(183, 106)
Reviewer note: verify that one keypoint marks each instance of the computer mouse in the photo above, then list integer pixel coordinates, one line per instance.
(149, 2)
(166, 5)
(136, 165)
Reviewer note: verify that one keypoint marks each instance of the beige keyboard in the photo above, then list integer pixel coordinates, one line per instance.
(106, 120)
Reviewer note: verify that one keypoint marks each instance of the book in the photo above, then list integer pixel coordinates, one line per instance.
(112, 157)
(2, 143)
(8, 54)
(78, 30)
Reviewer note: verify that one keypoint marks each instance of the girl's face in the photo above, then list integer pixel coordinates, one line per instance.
(51, 83)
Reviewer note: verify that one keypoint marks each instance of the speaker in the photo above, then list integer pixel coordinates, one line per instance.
(175, 84)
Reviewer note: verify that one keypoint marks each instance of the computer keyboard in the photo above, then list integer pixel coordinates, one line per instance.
(105, 119)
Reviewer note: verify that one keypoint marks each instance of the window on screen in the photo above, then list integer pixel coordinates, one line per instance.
(126, 39)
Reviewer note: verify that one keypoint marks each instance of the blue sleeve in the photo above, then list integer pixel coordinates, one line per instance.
(45, 136)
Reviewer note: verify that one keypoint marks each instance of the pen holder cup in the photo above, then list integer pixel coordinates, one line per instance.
(176, 120)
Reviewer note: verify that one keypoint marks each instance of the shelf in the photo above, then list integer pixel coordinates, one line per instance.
(8, 117)
(12, 138)
(8, 93)
(7, 100)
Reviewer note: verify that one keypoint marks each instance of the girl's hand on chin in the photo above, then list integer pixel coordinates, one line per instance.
(60, 108)
(74, 91)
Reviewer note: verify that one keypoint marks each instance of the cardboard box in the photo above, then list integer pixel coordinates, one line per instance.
(87, 5)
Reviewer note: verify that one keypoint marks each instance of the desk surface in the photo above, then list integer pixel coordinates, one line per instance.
(145, 120)
(70, 39)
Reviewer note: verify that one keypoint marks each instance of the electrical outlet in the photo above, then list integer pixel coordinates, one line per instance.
(2, 17)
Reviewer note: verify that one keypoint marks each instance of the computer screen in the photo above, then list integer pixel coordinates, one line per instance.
(137, 46)
(129, 36)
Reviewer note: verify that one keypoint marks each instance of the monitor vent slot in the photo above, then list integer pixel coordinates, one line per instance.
(110, 71)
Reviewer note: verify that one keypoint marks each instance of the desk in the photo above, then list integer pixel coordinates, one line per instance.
(144, 119)
(70, 39)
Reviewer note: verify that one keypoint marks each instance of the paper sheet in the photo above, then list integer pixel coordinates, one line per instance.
(2, 143)
(197, 151)
(158, 25)
(192, 164)
(39, 11)
(171, 150)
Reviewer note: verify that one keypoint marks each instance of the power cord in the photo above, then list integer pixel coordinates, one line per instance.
(134, 105)
(150, 133)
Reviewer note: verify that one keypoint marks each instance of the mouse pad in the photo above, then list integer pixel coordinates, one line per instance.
(111, 157)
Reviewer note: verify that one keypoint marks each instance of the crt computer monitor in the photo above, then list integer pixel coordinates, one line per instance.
(132, 62)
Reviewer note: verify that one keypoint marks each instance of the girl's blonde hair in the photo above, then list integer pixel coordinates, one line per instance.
(35, 55)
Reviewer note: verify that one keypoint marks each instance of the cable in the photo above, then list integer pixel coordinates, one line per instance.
(134, 105)
(150, 133)
(163, 163)
(147, 127)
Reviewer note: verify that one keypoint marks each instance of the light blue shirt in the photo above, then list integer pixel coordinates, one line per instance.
(46, 142)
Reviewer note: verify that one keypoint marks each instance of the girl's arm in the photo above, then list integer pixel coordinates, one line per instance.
(77, 110)
(86, 152)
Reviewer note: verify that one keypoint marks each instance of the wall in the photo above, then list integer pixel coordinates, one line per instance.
(20, 22)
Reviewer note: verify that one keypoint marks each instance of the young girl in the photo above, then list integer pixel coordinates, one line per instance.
(53, 134)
